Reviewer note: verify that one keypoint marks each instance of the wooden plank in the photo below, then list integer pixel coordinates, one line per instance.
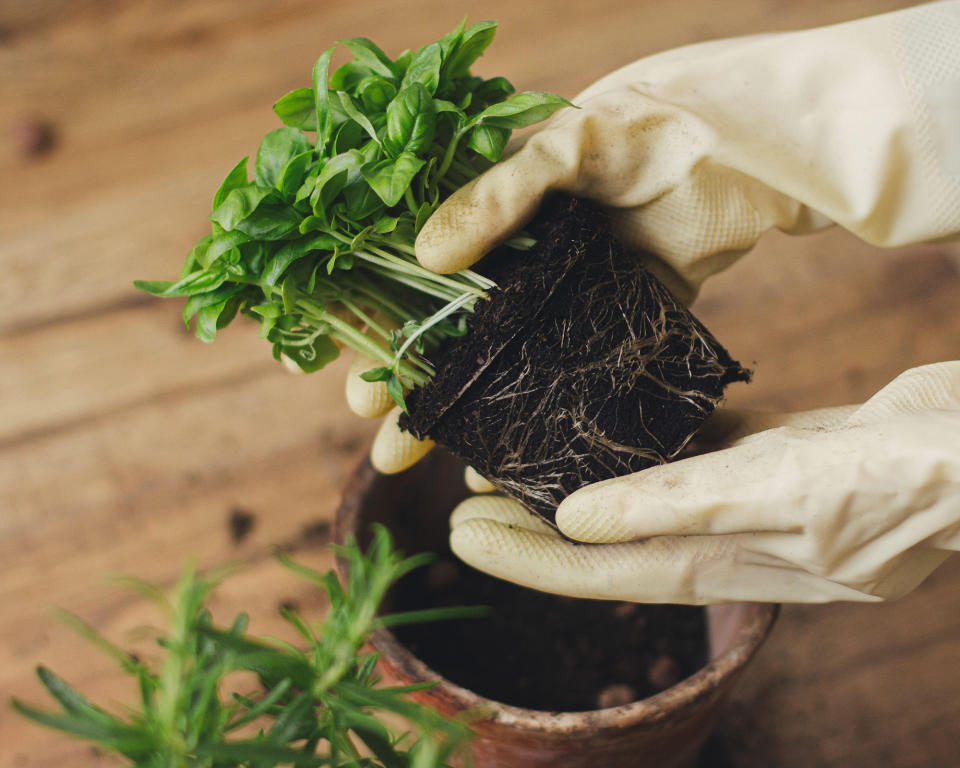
(125, 444)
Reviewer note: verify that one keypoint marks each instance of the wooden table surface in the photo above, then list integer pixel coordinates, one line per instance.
(126, 445)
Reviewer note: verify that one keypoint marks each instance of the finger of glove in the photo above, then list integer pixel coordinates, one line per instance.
(729, 425)
(394, 450)
(660, 570)
(369, 399)
(925, 388)
(753, 486)
(692, 570)
(488, 210)
(498, 509)
(477, 482)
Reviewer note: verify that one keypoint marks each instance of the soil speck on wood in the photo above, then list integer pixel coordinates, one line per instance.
(240, 523)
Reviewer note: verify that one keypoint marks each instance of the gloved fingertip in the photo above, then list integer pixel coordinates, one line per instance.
(394, 450)
(449, 240)
(291, 365)
(477, 482)
(498, 509)
(596, 514)
(369, 399)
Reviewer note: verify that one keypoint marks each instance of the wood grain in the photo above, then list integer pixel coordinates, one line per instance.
(125, 444)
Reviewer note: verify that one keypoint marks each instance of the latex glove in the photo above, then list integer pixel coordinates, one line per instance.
(857, 503)
(700, 150)
(393, 450)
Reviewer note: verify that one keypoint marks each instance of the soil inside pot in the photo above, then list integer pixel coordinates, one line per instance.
(548, 652)
(580, 367)
(535, 650)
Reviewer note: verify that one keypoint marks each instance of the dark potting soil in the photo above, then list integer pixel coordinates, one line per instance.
(548, 652)
(580, 367)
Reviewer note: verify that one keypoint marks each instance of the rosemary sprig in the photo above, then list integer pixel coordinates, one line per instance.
(318, 705)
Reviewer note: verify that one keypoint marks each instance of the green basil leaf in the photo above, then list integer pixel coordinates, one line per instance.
(361, 201)
(270, 222)
(521, 110)
(196, 255)
(236, 178)
(423, 213)
(314, 357)
(321, 101)
(292, 251)
(254, 255)
(306, 189)
(222, 244)
(336, 173)
(402, 62)
(349, 135)
(375, 93)
(298, 109)
(367, 52)
(450, 40)
(376, 374)
(489, 141)
(442, 105)
(346, 77)
(213, 316)
(277, 149)
(346, 101)
(494, 90)
(293, 174)
(200, 281)
(386, 224)
(411, 121)
(395, 390)
(425, 68)
(239, 204)
(474, 43)
(266, 310)
(391, 178)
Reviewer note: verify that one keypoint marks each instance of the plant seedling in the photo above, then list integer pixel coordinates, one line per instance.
(570, 365)
(320, 241)
(317, 705)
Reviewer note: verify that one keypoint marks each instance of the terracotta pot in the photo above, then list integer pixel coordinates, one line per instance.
(663, 731)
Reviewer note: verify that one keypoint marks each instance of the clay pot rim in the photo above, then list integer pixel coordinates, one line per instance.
(649, 711)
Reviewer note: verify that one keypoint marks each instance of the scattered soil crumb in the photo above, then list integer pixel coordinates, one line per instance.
(240, 523)
(315, 534)
(664, 672)
(615, 696)
(32, 137)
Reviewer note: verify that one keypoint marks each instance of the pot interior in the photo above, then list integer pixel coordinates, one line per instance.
(537, 651)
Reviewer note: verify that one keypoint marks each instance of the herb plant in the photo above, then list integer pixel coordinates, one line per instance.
(321, 242)
(315, 706)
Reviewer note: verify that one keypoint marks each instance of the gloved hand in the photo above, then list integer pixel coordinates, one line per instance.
(698, 151)
(858, 503)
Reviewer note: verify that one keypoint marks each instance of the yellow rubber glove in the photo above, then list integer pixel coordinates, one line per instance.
(700, 150)
(697, 152)
(393, 450)
(854, 503)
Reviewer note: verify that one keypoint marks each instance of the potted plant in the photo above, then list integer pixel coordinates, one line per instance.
(551, 681)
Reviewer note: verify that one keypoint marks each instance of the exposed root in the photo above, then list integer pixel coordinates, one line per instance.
(607, 374)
